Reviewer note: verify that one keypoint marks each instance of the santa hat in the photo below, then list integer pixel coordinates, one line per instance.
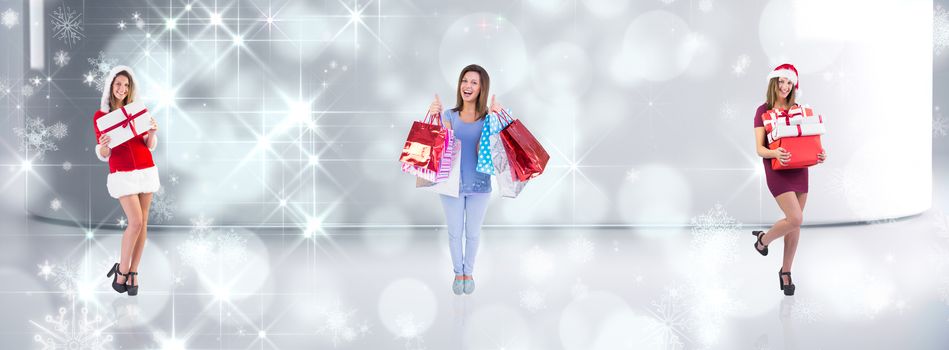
(107, 85)
(786, 71)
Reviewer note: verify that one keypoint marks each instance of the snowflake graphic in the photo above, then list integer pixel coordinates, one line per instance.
(27, 90)
(121, 222)
(632, 175)
(339, 325)
(67, 25)
(706, 5)
(162, 208)
(101, 65)
(89, 78)
(67, 166)
(55, 204)
(121, 25)
(38, 138)
(533, 300)
(46, 270)
(940, 30)
(139, 22)
(36, 81)
(581, 250)
(715, 237)
(673, 320)
(10, 18)
(173, 178)
(410, 331)
(207, 248)
(741, 65)
(61, 58)
(536, 264)
(66, 276)
(69, 330)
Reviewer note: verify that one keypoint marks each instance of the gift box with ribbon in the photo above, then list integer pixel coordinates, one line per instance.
(125, 123)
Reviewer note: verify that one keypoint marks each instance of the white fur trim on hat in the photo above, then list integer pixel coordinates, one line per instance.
(783, 73)
(124, 183)
(107, 85)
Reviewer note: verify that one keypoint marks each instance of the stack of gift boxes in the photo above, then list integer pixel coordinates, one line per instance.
(798, 131)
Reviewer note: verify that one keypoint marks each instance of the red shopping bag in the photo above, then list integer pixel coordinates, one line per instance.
(803, 149)
(425, 144)
(526, 156)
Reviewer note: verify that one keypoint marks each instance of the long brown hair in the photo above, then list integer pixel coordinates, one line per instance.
(481, 106)
(773, 94)
(129, 97)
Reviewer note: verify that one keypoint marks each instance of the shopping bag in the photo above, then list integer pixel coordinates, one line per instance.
(451, 185)
(525, 154)
(424, 147)
(507, 185)
(492, 126)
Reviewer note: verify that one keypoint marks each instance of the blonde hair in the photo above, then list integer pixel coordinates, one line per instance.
(129, 97)
(773, 97)
(481, 106)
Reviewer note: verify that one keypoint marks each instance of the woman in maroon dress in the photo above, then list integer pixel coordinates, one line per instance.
(789, 187)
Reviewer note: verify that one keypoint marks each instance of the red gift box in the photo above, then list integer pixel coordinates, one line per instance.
(803, 149)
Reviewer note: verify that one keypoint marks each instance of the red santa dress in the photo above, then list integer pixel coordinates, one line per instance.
(131, 168)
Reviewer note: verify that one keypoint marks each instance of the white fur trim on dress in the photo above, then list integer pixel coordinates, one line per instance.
(124, 183)
(783, 73)
(107, 88)
(99, 155)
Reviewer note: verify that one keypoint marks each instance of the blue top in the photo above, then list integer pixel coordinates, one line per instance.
(472, 181)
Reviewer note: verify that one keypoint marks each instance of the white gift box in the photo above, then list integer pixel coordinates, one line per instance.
(781, 131)
(795, 116)
(125, 123)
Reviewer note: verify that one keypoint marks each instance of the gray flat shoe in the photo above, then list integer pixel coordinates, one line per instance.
(458, 287)
(469, 286)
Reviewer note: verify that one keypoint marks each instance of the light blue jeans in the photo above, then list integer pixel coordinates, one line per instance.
(464, 216)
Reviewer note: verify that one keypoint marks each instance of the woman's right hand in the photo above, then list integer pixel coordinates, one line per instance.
(104, 140)
(782, 155)
(436, 106)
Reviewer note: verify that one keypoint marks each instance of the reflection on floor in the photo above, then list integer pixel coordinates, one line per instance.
(868, 286)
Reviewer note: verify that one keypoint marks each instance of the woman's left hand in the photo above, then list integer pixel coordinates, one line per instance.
(154, 127)
(822, 157)
(495, 106)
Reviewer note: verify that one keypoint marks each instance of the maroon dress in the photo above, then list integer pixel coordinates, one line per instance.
(781, 181)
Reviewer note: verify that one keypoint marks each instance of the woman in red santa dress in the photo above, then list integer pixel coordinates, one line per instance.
(132, 178)
(789, 187)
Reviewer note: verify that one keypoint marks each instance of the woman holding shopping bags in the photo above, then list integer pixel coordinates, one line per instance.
(465, 214)
(789, 187)
(132, 178)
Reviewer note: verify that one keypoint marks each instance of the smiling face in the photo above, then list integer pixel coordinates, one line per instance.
(120, 87)
(781, 92)
(470, 87)
(784, 87)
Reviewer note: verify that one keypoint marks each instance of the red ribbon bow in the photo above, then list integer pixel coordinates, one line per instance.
(127, 123)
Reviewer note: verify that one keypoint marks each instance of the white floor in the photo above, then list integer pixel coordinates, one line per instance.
(867, 286)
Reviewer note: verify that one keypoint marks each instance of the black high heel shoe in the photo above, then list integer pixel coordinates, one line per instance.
(118, 287)
(787, 288)
(758, 234)
(133, 289)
